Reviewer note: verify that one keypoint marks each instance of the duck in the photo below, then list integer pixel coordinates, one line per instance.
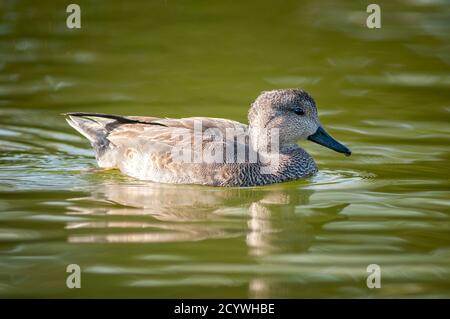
(212, 151)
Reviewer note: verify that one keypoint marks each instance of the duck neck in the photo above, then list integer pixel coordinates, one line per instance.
(264, 142)
(258, 140)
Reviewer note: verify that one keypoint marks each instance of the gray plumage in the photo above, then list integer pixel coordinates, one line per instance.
(143, 147)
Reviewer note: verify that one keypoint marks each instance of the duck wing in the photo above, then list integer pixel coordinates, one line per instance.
(144, 147)
(197, 135)
(191, 123)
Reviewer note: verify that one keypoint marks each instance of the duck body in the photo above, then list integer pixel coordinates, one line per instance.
(209, 151)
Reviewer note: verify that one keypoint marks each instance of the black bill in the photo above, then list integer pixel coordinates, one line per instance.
(323, 138)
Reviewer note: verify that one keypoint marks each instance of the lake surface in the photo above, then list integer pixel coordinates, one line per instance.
(383, 92)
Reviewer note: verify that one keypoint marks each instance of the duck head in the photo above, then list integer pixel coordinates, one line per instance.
(293, 112)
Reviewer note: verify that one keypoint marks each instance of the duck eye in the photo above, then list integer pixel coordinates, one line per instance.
(299, 111)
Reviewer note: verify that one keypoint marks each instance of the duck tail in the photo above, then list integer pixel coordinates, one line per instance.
(96, 128)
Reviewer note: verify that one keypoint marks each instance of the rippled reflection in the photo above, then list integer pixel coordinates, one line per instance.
(189, 213)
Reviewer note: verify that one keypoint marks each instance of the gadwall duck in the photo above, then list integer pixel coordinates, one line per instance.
(212, 151)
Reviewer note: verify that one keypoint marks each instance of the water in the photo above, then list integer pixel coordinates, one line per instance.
(385, 93)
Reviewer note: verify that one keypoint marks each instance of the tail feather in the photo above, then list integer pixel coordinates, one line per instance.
(96, 128)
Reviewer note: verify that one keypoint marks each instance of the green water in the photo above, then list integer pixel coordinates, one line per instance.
(384, 93)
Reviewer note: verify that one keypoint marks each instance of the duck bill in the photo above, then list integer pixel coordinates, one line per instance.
(323, 138)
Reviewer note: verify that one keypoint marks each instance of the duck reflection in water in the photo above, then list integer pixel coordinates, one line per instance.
(271, 220)
(267, 217)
